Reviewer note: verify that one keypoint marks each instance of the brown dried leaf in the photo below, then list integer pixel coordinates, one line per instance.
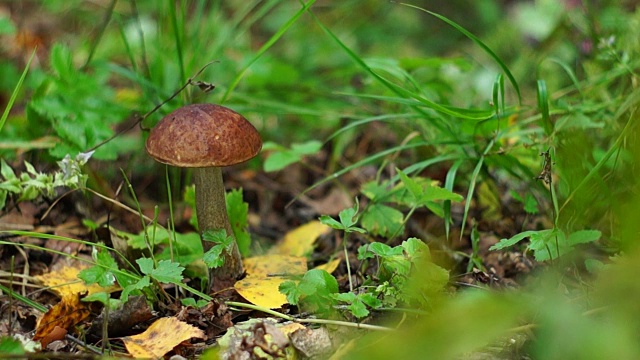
(65, 314)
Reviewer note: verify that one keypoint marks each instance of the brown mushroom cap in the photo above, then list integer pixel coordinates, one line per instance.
(203, 135)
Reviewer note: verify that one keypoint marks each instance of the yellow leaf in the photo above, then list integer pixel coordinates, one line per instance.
(299, 241)
(264, 276)
(268, 265)
(262, 291)
(65, 282)
(160, 338)
(329, 267)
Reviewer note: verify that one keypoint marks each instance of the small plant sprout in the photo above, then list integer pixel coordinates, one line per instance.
(348, 220)
(207, 137)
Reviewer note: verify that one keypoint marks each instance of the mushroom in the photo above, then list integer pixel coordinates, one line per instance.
(207, 137)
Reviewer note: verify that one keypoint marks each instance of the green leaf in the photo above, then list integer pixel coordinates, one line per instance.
(316, 280)
(219, 237)
(146, 265)
(6, 171)
(358, 309)
(374, 191)
(530, 205)
(168, 272)
(382, 220)
(583, 237)
(105, 299)
(348, 297)
(10, 346)
(505, 243)
(102, 272)
(314, 291)
(213, 258)
(414, 188)
(187, 248)
(370, 300)
(331, 222)
(415, 248)
(291, 290)
(279, 160)
(282, 157)
(348, 217)
(136, 287)
(238, 211)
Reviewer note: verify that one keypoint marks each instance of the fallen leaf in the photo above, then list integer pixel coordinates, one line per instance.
(65, 314)
(299, 241)
(57, 333)
(329, 267)
(270, 265)
(65, 282)
(264, 276)
(160, 338)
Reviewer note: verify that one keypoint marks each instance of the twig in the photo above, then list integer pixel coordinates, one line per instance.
(308, 321)
(139, 119)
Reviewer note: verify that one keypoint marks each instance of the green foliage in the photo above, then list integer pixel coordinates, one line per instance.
(165, 271)
(213, 257)
(193, 302)
(80, 106)
(382, 220)
(11, 346)
(386, 221)
(529, 202)
(358, 303)
(348, 220)
(314, 292)
(32, 184)
(281, 157)
(550, 244)
(396, 266)
(238, 212)
(102, 272)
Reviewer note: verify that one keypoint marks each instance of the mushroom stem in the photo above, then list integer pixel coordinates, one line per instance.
(211, 210)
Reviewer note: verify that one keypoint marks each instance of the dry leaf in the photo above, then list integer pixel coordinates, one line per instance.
(329, 267)
(160, 338)
(264, 276)
(65, 282)
(65, 314)
(299, 241)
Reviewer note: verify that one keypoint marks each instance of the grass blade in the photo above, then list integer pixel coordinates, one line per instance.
(266, 47)
(543, 106)
(446, 205)
(14, 94)
(478, 42)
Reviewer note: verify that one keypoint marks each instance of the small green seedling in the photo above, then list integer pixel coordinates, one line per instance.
(348, 220)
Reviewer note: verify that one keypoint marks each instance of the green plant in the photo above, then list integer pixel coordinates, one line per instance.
(396, 267)
(314, 292)
(80, 107)
(32, 184)
(348, 220)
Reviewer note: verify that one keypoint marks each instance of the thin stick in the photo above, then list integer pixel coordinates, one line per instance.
(139, 119)
(308, 321)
